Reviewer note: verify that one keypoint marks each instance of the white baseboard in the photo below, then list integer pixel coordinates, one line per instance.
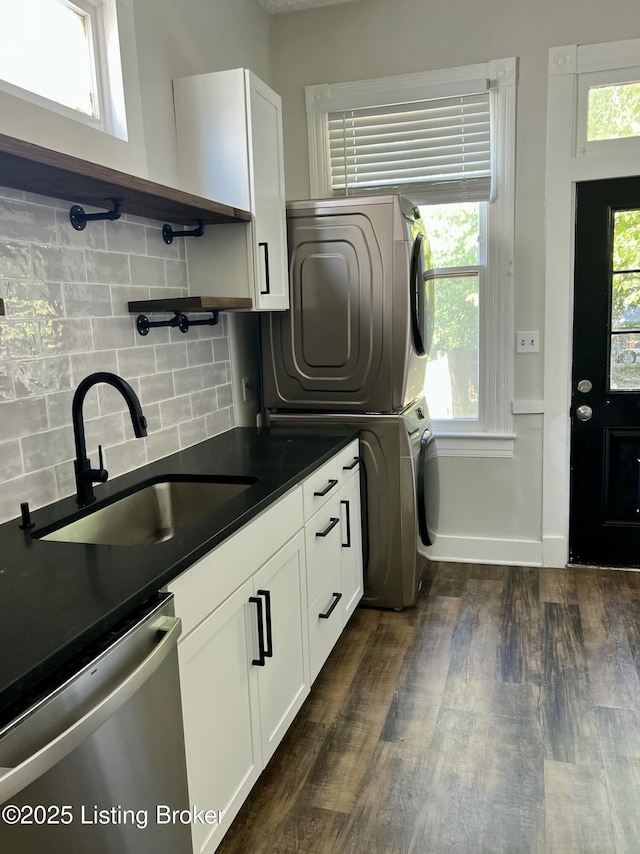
(555, 551)
(485, 550)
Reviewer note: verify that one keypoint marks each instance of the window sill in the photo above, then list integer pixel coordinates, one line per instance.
(497, 445)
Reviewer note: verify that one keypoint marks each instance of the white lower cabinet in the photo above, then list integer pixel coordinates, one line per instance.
(221, 714)
(261, 613)
(283, 679)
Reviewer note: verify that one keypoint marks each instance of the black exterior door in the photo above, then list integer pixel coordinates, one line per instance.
(605, 407)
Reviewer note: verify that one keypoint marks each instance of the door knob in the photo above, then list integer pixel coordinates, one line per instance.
(584, 413)
(585, 386)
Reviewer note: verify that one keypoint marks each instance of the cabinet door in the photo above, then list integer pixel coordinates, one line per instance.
(267, 173)
(351, 546)
(221, 713)
(283, 681)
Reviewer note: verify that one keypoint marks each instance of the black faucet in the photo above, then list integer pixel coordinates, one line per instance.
(85, 475)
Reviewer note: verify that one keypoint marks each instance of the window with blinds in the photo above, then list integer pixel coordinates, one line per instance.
(435, 150)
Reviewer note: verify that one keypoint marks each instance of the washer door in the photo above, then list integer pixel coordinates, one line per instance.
(421, 499)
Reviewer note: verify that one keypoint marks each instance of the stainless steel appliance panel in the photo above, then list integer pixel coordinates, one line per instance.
(390, 449)
(347, 342)
(107, 745)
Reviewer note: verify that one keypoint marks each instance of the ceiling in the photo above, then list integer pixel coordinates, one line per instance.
(274, 7)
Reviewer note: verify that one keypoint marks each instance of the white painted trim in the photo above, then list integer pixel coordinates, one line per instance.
(485, 550)
(499, 445)
(564, 170)
(527, 407)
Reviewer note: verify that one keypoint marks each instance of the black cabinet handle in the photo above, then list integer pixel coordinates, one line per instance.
(336, 598)
(267, 283)
(261, 653)
(327, 488)
(333, 522)
(268, 652)
(355, 462)
(347, 545)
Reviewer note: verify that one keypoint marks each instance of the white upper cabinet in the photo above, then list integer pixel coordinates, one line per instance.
(229, 131)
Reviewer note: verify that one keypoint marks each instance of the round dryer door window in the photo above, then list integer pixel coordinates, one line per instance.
(422, 299)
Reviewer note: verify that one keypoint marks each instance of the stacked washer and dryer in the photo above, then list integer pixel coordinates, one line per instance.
(352, 350)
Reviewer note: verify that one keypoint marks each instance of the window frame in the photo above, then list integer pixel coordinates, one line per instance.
(492, 434)
(107, 73)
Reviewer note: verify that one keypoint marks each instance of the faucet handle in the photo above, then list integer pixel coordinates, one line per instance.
(99, 475)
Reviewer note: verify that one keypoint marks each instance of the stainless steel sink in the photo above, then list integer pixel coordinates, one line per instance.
(154, 513)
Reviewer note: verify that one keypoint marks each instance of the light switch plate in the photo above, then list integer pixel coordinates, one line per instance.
(528, 342)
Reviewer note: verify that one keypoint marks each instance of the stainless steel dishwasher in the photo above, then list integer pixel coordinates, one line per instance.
(98, 763)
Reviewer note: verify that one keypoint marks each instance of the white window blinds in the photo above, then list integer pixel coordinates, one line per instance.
(433, 150)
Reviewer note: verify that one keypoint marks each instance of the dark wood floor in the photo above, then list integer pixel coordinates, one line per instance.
(500, 715)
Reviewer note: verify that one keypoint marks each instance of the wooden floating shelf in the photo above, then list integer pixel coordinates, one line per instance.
(25, 166)
(189, 304)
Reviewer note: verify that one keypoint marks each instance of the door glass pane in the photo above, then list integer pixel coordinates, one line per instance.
(613, 112)
(624, 373)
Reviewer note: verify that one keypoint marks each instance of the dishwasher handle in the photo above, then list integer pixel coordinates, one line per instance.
(14, 780)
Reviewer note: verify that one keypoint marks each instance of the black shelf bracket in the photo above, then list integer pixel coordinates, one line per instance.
(168, 233)
(179, 319)
(79, 218)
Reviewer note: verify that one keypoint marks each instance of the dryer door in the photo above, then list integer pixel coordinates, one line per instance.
(421, 292)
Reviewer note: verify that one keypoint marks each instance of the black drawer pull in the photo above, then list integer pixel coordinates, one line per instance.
(333, 522)
(261, 653)
(347, 545)
(327, 488)
(267, 602)
(336, 598)
(355, 462)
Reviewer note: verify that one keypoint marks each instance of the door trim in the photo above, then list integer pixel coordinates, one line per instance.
(566, 167)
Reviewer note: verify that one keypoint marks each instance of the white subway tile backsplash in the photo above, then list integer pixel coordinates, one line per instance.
(40, 376)
(192, 432)
(66, 295)
(221, 349)
(93, 237)
(112, 333)
(127, 237)
(10, 459)
(40, 450)
(137, 361)
(225, 396)
(175, 410)
(88, 363)
(66, 336)
(58, 264)
(110, 268)
(19, 339)
(15, 261)
(171, 357)
(87, 300)
(21, 221)
(32, 299)
(156, 387)
(199, 352)
(147, 271)
(38, 488)
(163, 442)
(176, 274)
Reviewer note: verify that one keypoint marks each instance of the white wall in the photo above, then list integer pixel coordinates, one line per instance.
(494, 499)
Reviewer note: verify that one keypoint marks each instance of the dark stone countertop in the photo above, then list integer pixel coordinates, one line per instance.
(57, 598)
